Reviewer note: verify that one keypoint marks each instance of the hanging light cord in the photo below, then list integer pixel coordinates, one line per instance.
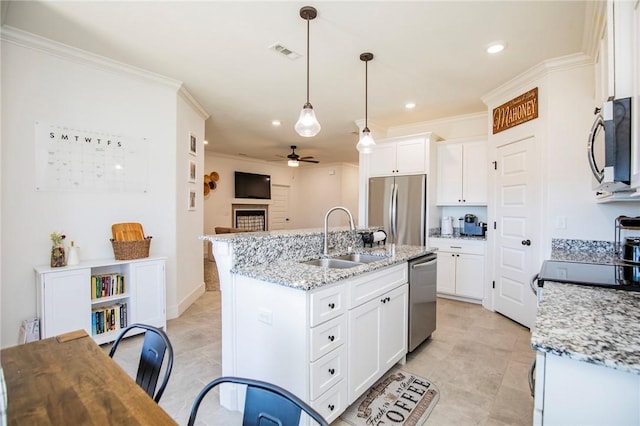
(366, 92)
(307, 59)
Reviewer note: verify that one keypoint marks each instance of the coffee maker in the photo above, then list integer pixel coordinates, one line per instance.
(471, 226)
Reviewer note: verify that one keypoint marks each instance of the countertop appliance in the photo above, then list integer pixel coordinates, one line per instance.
(470, 226)
(422, 299)
(398, 205)
(609, 146)
(446, 227)
(617, 276)
(627, 239)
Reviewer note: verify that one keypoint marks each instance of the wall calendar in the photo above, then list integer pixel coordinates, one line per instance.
(69, 158)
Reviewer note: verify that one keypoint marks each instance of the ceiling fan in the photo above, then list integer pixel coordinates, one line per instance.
(295, 158)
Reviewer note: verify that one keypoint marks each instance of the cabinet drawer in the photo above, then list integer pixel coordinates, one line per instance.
(456, 245)
(373, 284)
(328, 336)
(327, 371)
(333, 402)
(327, 304)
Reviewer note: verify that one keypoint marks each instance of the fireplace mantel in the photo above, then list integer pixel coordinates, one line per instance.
(251, 201)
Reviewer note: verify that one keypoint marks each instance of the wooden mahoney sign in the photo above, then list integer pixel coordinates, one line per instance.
(517, 111)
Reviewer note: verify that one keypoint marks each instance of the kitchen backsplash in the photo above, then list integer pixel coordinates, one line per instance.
(589, 251)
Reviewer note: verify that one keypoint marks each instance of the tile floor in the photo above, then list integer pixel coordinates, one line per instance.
(478, 359)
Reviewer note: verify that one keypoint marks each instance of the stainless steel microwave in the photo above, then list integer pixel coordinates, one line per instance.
(609, 147)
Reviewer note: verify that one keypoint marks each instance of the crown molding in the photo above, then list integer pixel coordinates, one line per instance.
(197, 106)
(548, 66)
(61, 50)
(595, 23)
(416, 127)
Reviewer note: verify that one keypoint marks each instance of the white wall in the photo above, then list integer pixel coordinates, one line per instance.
(314, 189)
(458, 127)
(188, 273)
(568, 176)
(52, 83)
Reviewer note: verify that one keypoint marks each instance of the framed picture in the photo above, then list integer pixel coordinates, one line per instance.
(192, 171)
(192, 144)
(192, 200)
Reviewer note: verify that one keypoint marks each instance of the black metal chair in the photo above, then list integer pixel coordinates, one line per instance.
(155, 345)
(265, 404)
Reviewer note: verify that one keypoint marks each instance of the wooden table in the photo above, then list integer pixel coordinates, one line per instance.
(69, 380)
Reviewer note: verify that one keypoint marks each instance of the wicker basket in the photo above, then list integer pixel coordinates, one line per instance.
(127, 250)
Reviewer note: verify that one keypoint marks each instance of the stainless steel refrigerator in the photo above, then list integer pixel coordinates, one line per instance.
(398, 204)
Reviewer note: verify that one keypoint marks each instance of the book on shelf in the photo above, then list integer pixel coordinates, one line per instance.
(109, 318)
(105, 285)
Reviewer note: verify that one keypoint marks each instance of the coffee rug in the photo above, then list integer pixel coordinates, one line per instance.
(399, 398)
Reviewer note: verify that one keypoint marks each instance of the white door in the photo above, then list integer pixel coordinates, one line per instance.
(67, 302)
(446, 272)
(449, 173)
(393, 326)
(518, 230)
(364, 347)
(279, 207)
(474, 172)
(147, 287)
(469, 275)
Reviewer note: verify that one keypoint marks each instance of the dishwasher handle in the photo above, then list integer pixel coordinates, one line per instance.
(424, 264)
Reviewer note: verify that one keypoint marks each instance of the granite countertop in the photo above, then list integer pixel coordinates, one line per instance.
(590, 324)
(292, 273)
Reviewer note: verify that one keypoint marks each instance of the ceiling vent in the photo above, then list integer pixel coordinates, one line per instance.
(278, 47)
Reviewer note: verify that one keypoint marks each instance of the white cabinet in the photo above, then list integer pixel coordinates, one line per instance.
(377, 338)
(101, 297)
(462, 173)
(400, 156)
(308, 342)
(461, 265)
(572, 392)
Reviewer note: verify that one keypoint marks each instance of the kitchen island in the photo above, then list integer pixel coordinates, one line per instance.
(588, 356)
(325, 334)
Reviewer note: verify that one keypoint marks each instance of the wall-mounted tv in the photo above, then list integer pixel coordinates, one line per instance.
(251, 185)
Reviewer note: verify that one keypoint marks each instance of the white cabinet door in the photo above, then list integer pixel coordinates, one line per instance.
(66, 302)
(474, 173)
(410, 156)
(449, 164)
(364, 347)
(146, 282)
(382, 161)
(446, 273)
(469, 275)
(462, 173)
(393, 326)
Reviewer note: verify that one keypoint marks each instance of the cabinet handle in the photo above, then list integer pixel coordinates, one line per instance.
(331, 407)
(532, 378)
(332, 305)
(332, 371)
(332, 338)
(385, 300)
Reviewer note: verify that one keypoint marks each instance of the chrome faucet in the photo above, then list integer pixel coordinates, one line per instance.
(326, 224)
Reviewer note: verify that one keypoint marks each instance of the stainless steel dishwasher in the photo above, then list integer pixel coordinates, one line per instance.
(422, 299)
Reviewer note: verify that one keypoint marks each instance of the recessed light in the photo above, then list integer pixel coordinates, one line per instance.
(410, 105)
(275, 122)
(206, 142)
(496, 47)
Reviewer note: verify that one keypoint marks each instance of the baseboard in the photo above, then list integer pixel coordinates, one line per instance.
(460, 298)
(183, 305)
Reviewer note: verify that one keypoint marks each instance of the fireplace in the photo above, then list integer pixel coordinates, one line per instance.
(250, 218)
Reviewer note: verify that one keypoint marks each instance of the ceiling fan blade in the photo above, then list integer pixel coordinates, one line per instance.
(306, 158)
(309, 161)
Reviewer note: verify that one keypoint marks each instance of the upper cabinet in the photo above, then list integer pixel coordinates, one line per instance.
(462, 173)
(614, 63)
(400, 156)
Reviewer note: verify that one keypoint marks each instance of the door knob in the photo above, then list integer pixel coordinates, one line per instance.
(526, 242)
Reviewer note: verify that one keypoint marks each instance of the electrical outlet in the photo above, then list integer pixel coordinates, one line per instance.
(265, 316)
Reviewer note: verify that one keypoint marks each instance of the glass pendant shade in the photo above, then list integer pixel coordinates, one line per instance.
(307, 124)
(366, 142)
(293, 163)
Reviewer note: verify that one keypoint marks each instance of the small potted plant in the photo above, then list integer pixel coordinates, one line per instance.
(58, 257)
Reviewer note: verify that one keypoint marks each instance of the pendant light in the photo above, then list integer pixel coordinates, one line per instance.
(307, 124)
(366, 142)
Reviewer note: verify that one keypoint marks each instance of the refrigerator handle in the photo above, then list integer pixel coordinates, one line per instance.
(394, 213)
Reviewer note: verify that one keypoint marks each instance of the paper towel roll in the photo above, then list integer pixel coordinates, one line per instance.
(379, 236)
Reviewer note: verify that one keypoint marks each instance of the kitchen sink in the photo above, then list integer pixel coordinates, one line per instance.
(360, 257)
(332, 263)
